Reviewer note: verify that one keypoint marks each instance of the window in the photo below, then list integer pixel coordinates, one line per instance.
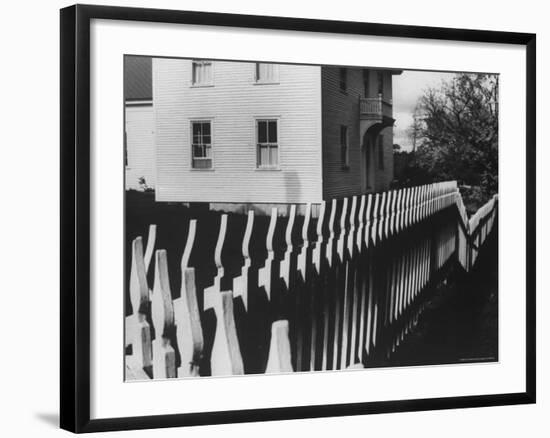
(344, 150)
(268, 146)
(380, 82)
(202, 72)
(267, 73)
(381, 152)
(343, 79)
(202, 145)
(365, 83)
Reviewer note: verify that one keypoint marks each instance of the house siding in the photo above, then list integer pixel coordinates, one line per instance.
(232, 104)
(140, 153)
(342, 108)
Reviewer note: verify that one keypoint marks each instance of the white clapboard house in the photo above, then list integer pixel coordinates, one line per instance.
(258, 133)
(139, 128)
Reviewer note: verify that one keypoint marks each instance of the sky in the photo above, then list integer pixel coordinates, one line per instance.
(408, 87)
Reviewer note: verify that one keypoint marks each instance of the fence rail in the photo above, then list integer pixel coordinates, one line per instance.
(340, 290)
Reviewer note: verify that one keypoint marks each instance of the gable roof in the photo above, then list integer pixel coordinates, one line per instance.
(138, 73)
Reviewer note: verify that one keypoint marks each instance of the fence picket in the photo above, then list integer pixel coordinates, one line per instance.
(162, 313)
(344, 297)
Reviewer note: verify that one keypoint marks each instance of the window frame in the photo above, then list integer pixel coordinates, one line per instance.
(259, 166)
(201, 84)
(344, 147)
(343, 80)
(259, 81)
(192, 144)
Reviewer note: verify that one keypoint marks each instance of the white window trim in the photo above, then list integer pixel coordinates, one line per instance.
(203, 84)
(257, 166)
(190, 145)
(257, 81)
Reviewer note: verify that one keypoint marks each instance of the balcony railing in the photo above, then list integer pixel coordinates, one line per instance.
(375, 108)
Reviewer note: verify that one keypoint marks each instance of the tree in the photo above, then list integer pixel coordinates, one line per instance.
(456, 134)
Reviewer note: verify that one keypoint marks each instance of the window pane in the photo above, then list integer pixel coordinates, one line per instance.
(202, 164)
(262, 131)
(207, 151)
(207, 72)
(272, 134)
(264, 156)
(205, 128)
(197, 129)
(343, 79)
(273, 156)
(197, 151)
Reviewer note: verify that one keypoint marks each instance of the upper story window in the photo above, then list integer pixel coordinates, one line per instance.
(381, 152)
(343, 79)
(344, 149)
(201, 147)
(267, 143)
(266, 73)
(380, 76)
(366, 83)
(202, 73)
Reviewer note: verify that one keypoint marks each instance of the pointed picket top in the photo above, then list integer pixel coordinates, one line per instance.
(389, 212)
(279, 360)
(151, 238)
(215, 287)
(340, 244)
(290, 226)
(361, 226)
(285, 262)
(225, 359)
(368, 219)
(374, 228)
(271, 229)
(219, 244)
(162, 311)
(332, 218)
(351, 234)
(240, 283)
(382, 216)
(139, 290)
(189, 244)
(264, 274)
(407, 212)
(186, 314)
(247, 235)
(302, 257)
(316, 256)
(399, 210)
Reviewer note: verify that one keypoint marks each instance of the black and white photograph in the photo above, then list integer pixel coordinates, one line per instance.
(283, 218)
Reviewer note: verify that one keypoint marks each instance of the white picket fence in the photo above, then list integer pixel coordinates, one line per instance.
(345, 296)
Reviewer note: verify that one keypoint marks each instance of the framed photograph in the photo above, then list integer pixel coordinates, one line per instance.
(269, 218)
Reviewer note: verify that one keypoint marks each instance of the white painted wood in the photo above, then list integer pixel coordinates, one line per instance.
(186, 314)
(137, 328)
(226, 356)
(233, 104)
(279, 359)
(240, 283)
(264, 273)
(140, 147)
(162, 314)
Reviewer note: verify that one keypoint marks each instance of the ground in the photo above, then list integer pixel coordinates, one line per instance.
(461, 321)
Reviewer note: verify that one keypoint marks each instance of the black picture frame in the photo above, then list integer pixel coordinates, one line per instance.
(75, 214)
